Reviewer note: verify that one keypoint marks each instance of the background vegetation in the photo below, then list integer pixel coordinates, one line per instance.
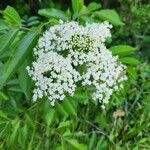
(77, 123)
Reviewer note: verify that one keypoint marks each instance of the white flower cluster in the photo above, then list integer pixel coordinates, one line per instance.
(103, 72)
(63, 49)
(54, 76)
(72, 36)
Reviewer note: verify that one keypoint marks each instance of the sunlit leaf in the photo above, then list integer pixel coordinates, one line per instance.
(130, 60)
(64, 124)
(122, 50)
(53, 13)
(11, 16)
(94, 6)
(76, 144)
(110, 15)
(6, 40)
(77, 5)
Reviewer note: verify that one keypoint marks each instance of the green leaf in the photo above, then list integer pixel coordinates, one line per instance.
(14, 105)
(63, 145)
(81, 97)
(94, 6)
(69, 107)
(3, 96)
(79, 134)
(29, 120)
(101, 120)
(76, 144)
(87, 19)
(92, 141)
(64, 124)
(15, 88)
(122, 50)
(23, 135)
(7, 39)
(83, 11)
(77, 5)
(130, 60)
(53, 21)
(109, 15)
(11, 16)
(102, 143)
(132, 72)
(15, 128)
(143, 140)
(61, 110)
(33, 23)
(67, 133)
(69, 13)
(3, 25)
(24, 48)
(3, 115)
(25, 81)
(33, 18)
(13, 82)
(49, 117)
(53, 13)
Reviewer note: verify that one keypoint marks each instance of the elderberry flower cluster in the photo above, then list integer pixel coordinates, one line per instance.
(72, 36)
(63, 50)
(104, 72)
(54, 76)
